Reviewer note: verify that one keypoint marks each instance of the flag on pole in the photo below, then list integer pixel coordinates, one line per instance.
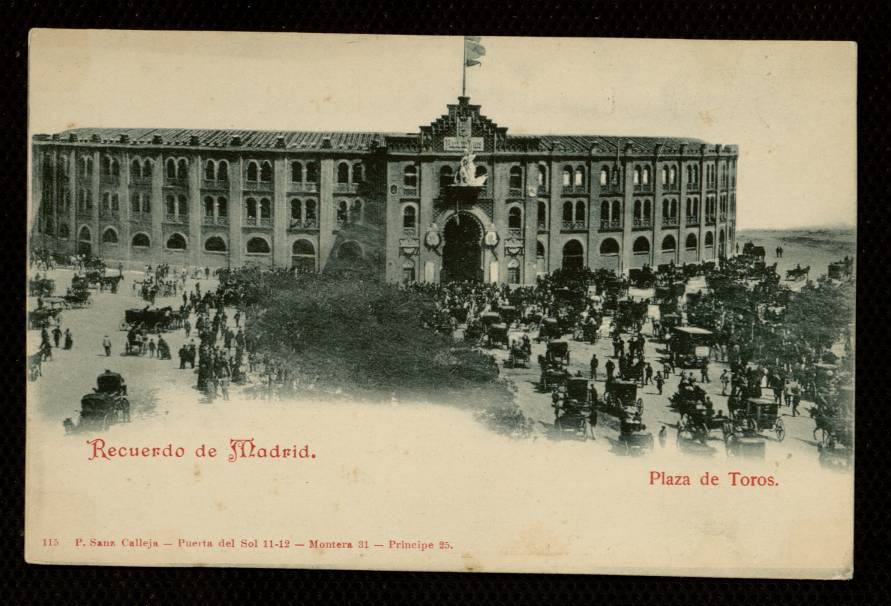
(473, 50)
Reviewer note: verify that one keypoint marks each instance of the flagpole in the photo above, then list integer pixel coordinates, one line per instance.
(464, 69)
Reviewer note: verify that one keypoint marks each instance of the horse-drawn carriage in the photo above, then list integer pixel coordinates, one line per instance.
(518, 356)
(50, 313)
(743, 442)
(587, 330)
(41, 287)
(834, 429)
(158, 319)
(509, 314)
(110, 283)
(757, 415)
(697, 415)
(549, 329)
(573, 409)
(633, 434)
(553, 364)
(496, 336)
(105, 406)
(690, 346)
(797, 273)
(620, 398)
(78, 296)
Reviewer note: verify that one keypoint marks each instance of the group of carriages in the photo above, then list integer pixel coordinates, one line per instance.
(834, 430)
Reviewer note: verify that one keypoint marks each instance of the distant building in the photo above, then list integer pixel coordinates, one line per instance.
(386, 202)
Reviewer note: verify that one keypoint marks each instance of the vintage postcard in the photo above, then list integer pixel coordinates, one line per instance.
(441, 303)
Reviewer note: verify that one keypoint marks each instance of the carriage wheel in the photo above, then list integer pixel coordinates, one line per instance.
(780, 428)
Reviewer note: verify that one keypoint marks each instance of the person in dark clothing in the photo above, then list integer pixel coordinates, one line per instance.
(57, 336)
(594, 364)
(610, 369)
(659, 381)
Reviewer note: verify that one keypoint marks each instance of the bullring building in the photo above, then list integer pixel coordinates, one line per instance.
(387, 203)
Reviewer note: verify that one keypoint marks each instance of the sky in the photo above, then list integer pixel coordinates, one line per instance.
(789, 106)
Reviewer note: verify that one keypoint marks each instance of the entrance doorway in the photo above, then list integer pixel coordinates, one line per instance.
(462, 252)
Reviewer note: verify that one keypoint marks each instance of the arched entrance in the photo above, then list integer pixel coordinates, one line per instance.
(85, 241)
(462, 251)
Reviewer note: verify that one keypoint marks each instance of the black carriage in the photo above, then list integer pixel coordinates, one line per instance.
(48, 315)
(78, 297)
(587, 330)
(489, 318)
(633, 435)
(743, 442)
(509, 314)
(104, 407)
(518, 357)
(557, 352)
(690, 346)
(149, 319)
(757, 415)
(496, 336)
(620, 396)
(41, 287)
(110, 283)
(573, 408)
(549, 329)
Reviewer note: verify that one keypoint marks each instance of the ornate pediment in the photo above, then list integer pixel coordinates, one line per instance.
(463, 125)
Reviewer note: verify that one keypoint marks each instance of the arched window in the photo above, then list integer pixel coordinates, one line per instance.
(84, 234)
(135, 169)
(515, 180)
(296, 172)
(609, 247)
(312, 172)
(343, 173)
(567, 176)
(357, 211)
(176, 242)
(647, 211)
(579, 180)
(604, 211)
(668, 243)
(616, 176)
(645, 178)
(258, 246)
(446, 176)
(182, 206)
(63, 231)
(616, 214)
(208, 206)
(514, 218)
(637, 175)
(349, 251)
(695, 174)
(106, 201)
(666, 209)
(170, 203)
(408, 217)
(109, 236)
(539, 250)
(182, 169)
(410, 177)
(542, 176)
(252, 173)
(542, 215)
(709, 238)
(673, 175)
(513, 272)
(147, 169)
(358, 173)
(673, 212)
(296, 211)
(689, 174)
(342, 212)
(222, 207)
(266, 171)
(210, 171)
(250, 206)
(641, 246)
(223, 171)
(141, 240)
(580, 211)
(637, 210)
(170, 169)
(604, 176)
(303, 255)
(310, 208)
(691, 242)
(265, 208)
(567, 212)
(215, 244)
(106, 165)
(573, 255)
(664, 175)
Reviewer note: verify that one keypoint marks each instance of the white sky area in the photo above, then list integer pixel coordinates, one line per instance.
(790, 106)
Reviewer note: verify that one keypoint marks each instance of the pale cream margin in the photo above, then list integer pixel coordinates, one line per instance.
(424, 472)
